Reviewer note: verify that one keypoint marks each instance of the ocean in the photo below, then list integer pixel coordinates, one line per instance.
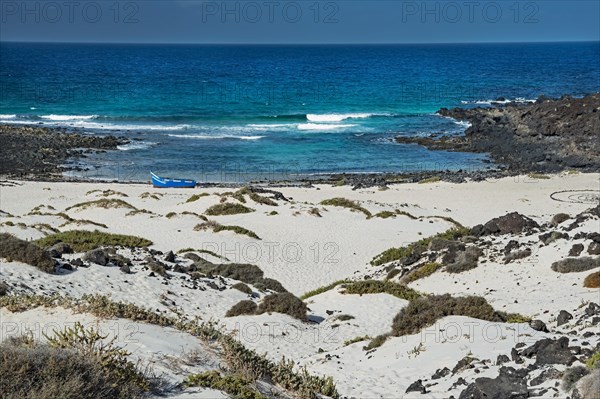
(240, 113)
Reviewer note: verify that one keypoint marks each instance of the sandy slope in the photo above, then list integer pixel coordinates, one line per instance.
(304, 252)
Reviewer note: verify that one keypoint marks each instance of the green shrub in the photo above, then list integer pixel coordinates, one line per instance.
(113, 360)
(515, 318)
(344, 317)
(422, 271)
(404, 213)
(227, 208)
(538, 176)
(79, 222)
(576, 265)
(394, 254)
(155, 196)
(249, 274)
(242, 288)
(594, 361)
(314, 212)
(346, 203)
(592, 280)
(259, 199)
(202, 251)
(285, 303)
(385, 214)
(356, 339)
(432, 179)
(15, 249)
(273, 213)
(237, 386)
(83, 240)
(242, 308)
(323, 289)
(376, 342)
(237, 230)
(425, 311)
(378, 287)
(105, 203)
(38, 371)
(196, 197)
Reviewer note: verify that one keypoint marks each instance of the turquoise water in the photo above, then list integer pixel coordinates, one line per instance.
(231, 113)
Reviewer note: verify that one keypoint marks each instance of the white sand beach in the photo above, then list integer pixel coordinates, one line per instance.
(305, 249)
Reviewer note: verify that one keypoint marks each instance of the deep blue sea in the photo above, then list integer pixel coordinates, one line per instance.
(235, 113)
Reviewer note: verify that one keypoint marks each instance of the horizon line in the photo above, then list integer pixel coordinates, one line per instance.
(296, 43)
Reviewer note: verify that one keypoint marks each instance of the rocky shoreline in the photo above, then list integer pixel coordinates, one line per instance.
(35, 153)
(550, 135)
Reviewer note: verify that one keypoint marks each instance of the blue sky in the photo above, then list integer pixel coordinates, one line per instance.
(302, 21)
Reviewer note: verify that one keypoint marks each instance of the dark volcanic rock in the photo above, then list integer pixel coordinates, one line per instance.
(563, 317)
(538, 325)
(170, 257)
(97, 256)
(594, 248)
(439, 373)
(32, 151)
(510, 384)
(58, 249)
(502, 359)
(513, 223)
(559, 218)
(416, 386)
(576, 250)
(549, 351)
(547, 136)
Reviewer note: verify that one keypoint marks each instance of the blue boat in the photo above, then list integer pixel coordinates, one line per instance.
(166, 182)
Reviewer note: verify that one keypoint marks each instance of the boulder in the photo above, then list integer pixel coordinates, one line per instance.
(576, 250)
(440, 373)
(563, 317)
(170, 257)
(538, 325)
(58, 249)
(125, 269)
(416, 386)
(594, 248)
(550, 351)
(510, 384)
(559, 218)
(97, 256)
(513, 223)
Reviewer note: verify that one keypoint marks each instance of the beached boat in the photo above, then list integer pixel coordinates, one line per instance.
(166, 182)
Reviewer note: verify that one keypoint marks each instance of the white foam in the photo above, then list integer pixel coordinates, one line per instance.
(109, 126)
(5, 116)
(336, 117)
(317, 126)
(68, 117)
(272, 126)
(505, 101)
(136, 145)
(214, 136)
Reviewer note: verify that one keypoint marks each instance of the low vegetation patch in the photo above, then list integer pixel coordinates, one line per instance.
(394, 254)
(432, 179)
(538, 176)
(422, 271)
(594, 361)
(376, 342)
(283, 302)
(378, 287)
(202, 251)
(83, 240)
(235, 385)
(242, 288)
(227, 208)
(246, 307)
(385, 214)
(106, 203)
(107, 193)
(425, 311)
(239, 358)
(246, 273)
(80, 222)
(344, 317)
(260, 199)
(576, 265)
(346, 203)
(80, 367)
(314, 212)
(323, 289)
(196, 197)
(15, 249)
(147, 195)
(217, 227)
(356, 339)
(592, 280)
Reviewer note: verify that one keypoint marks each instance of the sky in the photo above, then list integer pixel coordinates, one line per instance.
(300, 21)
